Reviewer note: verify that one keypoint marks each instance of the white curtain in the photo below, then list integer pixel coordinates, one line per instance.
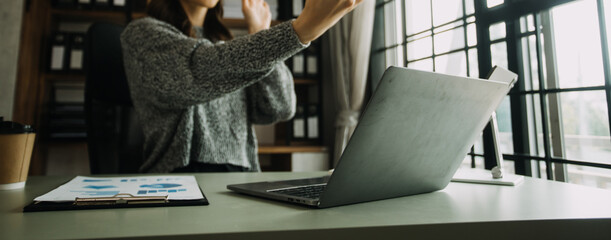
(350, 46)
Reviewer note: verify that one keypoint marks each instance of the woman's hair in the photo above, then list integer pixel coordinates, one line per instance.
(171, 11)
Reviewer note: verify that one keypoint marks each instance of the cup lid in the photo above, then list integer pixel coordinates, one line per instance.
(14, 128)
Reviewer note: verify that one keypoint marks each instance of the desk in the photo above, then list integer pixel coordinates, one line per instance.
(536, 209)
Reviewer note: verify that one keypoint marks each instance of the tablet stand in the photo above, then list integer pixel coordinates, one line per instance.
(496, 175)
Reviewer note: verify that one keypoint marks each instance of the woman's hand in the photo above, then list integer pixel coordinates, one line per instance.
(257, 15)
(320, 15)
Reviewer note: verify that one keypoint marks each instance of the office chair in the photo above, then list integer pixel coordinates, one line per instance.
(114, 137)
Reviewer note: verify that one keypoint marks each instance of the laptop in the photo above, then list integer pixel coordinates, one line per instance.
(411, 138)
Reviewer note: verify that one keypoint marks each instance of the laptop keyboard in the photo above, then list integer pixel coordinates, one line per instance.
(309, 191)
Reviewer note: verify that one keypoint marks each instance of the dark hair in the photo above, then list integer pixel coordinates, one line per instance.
(171, 11)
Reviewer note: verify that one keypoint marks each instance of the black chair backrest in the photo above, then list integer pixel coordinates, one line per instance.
(114, 136)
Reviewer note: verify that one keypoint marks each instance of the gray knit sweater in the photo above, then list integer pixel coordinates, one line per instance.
(197, 100)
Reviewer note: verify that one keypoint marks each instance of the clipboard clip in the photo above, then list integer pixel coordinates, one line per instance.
(121, 198)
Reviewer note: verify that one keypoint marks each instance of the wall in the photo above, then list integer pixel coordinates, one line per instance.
(308, 162)
(11, 12)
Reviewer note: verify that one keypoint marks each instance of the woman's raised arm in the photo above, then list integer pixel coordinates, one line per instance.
(320, 15)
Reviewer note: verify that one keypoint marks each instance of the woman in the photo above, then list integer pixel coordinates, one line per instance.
(197, 91)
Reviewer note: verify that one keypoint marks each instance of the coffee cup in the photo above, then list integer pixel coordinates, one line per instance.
(16, 144)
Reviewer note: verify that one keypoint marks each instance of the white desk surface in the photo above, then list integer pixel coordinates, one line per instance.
(535, 209)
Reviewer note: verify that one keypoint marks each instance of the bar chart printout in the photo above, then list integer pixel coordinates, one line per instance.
(174, 187)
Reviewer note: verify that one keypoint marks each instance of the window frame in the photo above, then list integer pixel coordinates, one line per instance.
(510, 12)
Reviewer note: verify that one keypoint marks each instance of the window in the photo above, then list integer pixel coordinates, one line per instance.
(555, 122)
(440, 36)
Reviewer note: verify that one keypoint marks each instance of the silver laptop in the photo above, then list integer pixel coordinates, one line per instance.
(411, 139)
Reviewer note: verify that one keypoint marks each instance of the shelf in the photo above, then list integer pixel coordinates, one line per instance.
(291, 149)
(76, 77)
(80, 14)
(137, 15)
(235, 23)
(305, 81)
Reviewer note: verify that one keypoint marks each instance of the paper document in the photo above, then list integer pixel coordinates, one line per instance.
(175, 187)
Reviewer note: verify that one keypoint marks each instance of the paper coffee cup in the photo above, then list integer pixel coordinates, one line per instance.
(16, 144)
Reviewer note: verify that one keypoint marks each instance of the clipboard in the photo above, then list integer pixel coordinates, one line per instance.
(122, 199)
(117, 201)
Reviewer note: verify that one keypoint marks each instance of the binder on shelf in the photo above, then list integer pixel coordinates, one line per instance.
(73, 26)
(299, 124)
(121, 192)
(85, 4)
(67, 129)
(68, 92)
(312, 63)
(119, 4)
(297, 7)
(69, 109)
(66, 125)
(77, 42)
(102, 4)
(233, 9)
(75, 112)
(69, 124)
(298, 65)
(66, 120)
(59, 49)
(312, 119)
(64, 3)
